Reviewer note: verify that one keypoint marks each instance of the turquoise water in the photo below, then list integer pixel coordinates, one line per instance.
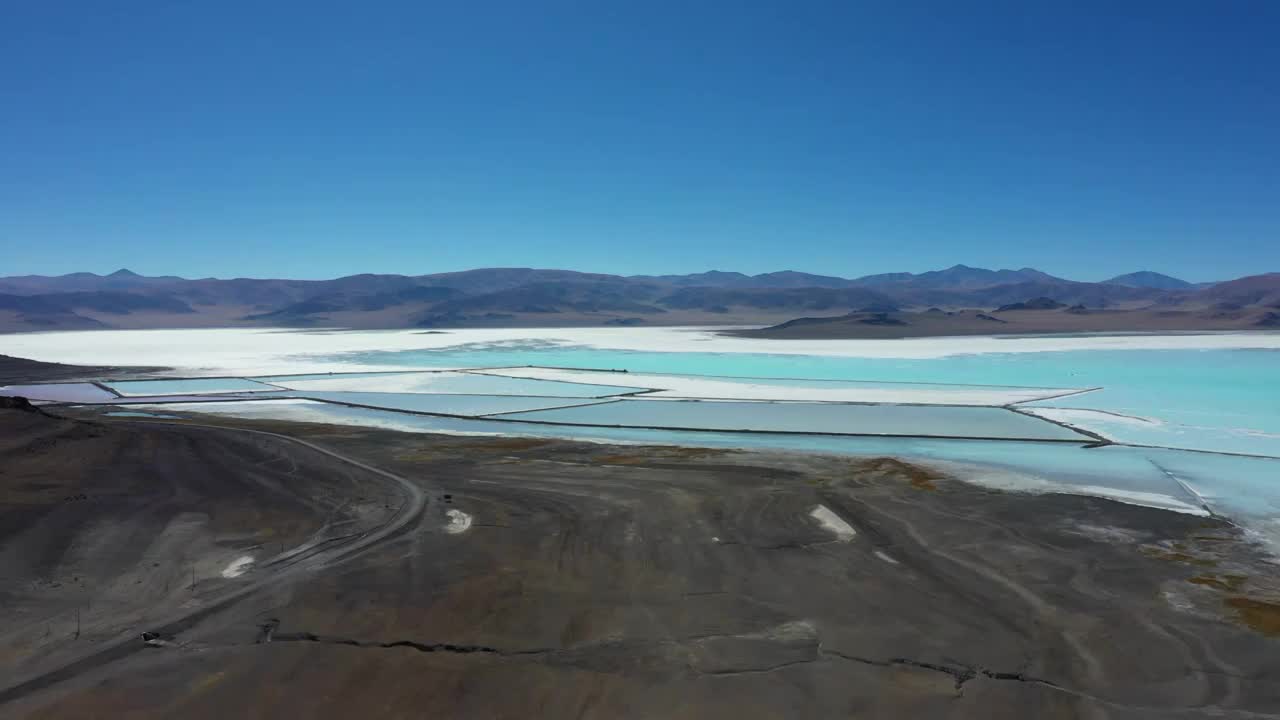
(1170, 431)
(1237, 373)
(1237, 390)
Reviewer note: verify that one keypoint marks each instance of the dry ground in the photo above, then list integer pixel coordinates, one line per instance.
(558, 579)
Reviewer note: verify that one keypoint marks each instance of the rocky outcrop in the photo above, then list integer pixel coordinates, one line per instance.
(1269, 320)
(17, 403)
(1040, 303)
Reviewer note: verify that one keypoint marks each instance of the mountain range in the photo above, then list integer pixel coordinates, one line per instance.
(524, 296)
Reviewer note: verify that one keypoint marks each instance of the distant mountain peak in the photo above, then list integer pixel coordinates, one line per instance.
(1149, 279)
(124, 273)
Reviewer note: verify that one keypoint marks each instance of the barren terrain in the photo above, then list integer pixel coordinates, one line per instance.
(535, 578)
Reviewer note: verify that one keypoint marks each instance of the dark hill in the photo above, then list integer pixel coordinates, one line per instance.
(1148, 279)
(1253, 290)
(1040, 303)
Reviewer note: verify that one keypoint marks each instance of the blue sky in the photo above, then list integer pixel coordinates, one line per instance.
(318, 139)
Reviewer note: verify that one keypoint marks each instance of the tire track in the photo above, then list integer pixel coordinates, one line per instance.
(126, 645)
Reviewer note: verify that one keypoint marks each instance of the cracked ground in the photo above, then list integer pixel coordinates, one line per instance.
(598, 581)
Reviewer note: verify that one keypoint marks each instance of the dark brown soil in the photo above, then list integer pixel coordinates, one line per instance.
(598, 581)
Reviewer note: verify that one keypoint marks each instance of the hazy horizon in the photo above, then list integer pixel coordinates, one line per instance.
(414, 273)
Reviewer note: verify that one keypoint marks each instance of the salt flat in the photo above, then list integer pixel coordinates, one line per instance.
(265, 351)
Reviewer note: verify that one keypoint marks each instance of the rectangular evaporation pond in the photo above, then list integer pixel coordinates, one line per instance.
(807, 390)
(192, 386)
(464, 405)
(59, 392)
(1117, 472)
(902, 420)
(453, 382)
(286, 379)
(206, 397)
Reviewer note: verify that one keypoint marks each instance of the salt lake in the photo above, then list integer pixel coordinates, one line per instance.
(1196, 417)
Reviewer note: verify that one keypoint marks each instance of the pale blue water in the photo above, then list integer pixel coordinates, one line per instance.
(59, 392)
(469, 405)
(179, 387)
(451, 382)
(938, 421)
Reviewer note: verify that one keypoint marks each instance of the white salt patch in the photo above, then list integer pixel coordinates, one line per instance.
(844, 532)
(1085, 418)
(1106, 533)
(885, 558)
(241, 351)
(794, 630)
(459, 522)
(1257, 433)
(1178, 601)
(1133, 497)
(1025, 481)
(237, 567)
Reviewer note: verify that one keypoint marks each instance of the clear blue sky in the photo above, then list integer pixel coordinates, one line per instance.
(316, 139)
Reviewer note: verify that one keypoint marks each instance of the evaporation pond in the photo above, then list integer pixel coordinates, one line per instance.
(466, 405)
(1117, 472)
(190, 386)
(452, 382)
(908, 420)
(59, 392)
(815, 390)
